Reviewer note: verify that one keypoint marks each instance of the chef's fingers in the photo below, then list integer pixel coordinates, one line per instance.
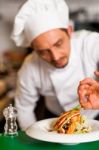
(83, 93)
(96, 73)
(85, 102)
(82, 87)
(88, 81)
(94, 101)
(89, 99)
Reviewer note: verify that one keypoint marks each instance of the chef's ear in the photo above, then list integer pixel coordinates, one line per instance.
(70, 30)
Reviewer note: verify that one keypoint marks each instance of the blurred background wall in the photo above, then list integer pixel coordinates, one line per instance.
(90, 6)
(85, 14)
(8, 10)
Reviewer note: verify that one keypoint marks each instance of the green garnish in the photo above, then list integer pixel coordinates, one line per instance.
(76, 107)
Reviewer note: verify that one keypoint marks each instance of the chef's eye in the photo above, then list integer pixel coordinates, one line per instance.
(59, 43)
(42, 53)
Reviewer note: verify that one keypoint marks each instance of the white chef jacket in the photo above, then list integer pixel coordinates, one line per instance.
(59, 86)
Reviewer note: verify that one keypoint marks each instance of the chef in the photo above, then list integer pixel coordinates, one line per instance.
(60, 59)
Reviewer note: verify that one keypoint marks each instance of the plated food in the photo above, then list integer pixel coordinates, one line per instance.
(71, 122)
(43, 130)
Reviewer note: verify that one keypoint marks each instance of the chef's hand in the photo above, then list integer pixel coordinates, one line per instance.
(88, 92)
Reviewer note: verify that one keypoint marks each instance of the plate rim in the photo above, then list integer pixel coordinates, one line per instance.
(56, 137)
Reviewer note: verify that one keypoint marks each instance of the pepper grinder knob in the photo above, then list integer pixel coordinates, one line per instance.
(10, 114)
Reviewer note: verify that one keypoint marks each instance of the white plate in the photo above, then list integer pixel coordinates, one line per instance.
(40, 131)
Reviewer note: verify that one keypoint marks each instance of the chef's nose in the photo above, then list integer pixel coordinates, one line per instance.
(55, 54)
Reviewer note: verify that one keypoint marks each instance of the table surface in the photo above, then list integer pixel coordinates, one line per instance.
(24, 142)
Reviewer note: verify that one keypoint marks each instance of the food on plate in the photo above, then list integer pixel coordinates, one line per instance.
(71, 122)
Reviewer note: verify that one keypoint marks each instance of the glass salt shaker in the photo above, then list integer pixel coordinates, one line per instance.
(10, 114)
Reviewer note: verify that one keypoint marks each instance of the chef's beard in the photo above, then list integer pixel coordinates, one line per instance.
(60, 67)
(55, 64)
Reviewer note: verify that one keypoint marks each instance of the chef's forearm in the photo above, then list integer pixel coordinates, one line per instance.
(25, 119)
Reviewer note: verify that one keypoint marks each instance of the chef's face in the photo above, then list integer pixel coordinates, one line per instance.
(54, 47)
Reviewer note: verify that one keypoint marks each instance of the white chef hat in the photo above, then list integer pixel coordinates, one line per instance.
(37, 17)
